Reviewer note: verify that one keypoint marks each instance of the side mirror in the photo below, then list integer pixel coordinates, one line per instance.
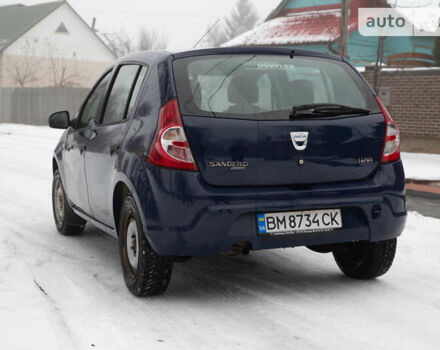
(59, 120)
(73, 123)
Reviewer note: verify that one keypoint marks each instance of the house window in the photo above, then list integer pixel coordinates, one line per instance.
(62, 29)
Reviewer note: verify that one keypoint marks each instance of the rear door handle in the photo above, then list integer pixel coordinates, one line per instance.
(114, 149)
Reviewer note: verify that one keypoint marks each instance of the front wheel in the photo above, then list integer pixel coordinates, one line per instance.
(365, 260)
(145, 272)
(66, 221)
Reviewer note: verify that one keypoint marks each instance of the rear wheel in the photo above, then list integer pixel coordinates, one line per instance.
(66, 221)
(365, 260)
(145, 272)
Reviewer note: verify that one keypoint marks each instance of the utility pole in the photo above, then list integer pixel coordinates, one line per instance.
(94, 24)
(343, 28)
(379, 62)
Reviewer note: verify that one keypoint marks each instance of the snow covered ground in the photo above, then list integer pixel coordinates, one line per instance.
(68, 293)
(421, 166)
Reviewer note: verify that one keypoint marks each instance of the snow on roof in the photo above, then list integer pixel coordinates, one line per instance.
(295, 28)
(302, 25)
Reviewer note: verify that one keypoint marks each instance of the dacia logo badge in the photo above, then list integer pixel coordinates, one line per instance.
(299, 139)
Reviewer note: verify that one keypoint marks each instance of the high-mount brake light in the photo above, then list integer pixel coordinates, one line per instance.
(391, 147)
(170, 147)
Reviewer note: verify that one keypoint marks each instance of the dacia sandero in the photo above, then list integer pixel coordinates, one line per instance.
(231, 150)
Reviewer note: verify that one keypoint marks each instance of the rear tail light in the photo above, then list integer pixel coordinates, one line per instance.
(391, 148)
(170, 146)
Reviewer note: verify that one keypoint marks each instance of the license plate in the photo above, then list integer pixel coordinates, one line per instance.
(299, 221)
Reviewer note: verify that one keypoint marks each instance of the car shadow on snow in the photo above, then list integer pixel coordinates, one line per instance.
(295, 271)
(260, 273)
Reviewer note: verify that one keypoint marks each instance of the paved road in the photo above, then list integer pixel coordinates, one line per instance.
(424, 205)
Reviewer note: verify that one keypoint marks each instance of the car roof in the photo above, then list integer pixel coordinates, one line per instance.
(259, 50)
(149, 57)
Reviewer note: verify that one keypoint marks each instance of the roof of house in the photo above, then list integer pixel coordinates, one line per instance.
(15, 20)
(314, 24)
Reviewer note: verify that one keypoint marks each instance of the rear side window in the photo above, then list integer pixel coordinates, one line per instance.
(265, 86)
(123, 93)
(137, 88)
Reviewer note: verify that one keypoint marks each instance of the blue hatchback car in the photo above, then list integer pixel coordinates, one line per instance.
(227, 151)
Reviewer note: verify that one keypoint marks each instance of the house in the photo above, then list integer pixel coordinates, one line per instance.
(315, 26)
(49, 44)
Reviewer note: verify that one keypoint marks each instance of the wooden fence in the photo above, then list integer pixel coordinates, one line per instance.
(34, 105)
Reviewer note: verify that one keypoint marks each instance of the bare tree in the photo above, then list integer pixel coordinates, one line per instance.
(242, 18)
(61, 74)
(24, 71)
(216, 36)
(151, 40)
(63, 69)
(119, 43)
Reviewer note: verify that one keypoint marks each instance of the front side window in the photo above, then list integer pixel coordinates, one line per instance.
(90, 109)
(119, 98)
(265, 86)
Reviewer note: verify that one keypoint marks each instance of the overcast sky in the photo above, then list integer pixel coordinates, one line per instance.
(183, 21)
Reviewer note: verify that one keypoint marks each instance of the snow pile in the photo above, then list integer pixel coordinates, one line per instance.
(30, 132)
(421, 166)
(68, 292)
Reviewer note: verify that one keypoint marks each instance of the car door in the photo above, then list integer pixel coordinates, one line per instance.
(76, 145)
(102, 150)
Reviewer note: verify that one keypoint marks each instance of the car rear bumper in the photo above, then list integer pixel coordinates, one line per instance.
(184, 216)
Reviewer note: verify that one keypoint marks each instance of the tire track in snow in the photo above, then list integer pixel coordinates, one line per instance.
(63, 333)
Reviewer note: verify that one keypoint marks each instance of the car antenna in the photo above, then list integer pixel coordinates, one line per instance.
(207, 32)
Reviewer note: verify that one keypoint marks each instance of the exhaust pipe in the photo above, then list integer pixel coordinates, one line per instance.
(241, 248)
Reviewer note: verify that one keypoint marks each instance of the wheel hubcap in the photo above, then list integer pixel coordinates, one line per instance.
(59, 202)
(132, 244)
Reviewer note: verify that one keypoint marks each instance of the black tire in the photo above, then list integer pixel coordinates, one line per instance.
(323, 249)
(66, 221)
(365, 260)
(152, 273)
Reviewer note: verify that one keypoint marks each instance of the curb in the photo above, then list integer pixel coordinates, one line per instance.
(424, 189)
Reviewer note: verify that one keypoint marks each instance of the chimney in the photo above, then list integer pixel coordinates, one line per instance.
(94, 24)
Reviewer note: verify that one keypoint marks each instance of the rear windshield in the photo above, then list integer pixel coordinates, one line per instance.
(265, 86)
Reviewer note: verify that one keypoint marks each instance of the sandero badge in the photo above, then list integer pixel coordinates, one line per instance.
(185, 154)
(231, 165)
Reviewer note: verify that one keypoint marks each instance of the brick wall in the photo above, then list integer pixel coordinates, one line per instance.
(414, 99)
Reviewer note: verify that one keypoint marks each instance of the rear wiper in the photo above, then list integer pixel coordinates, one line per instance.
(325, 109)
